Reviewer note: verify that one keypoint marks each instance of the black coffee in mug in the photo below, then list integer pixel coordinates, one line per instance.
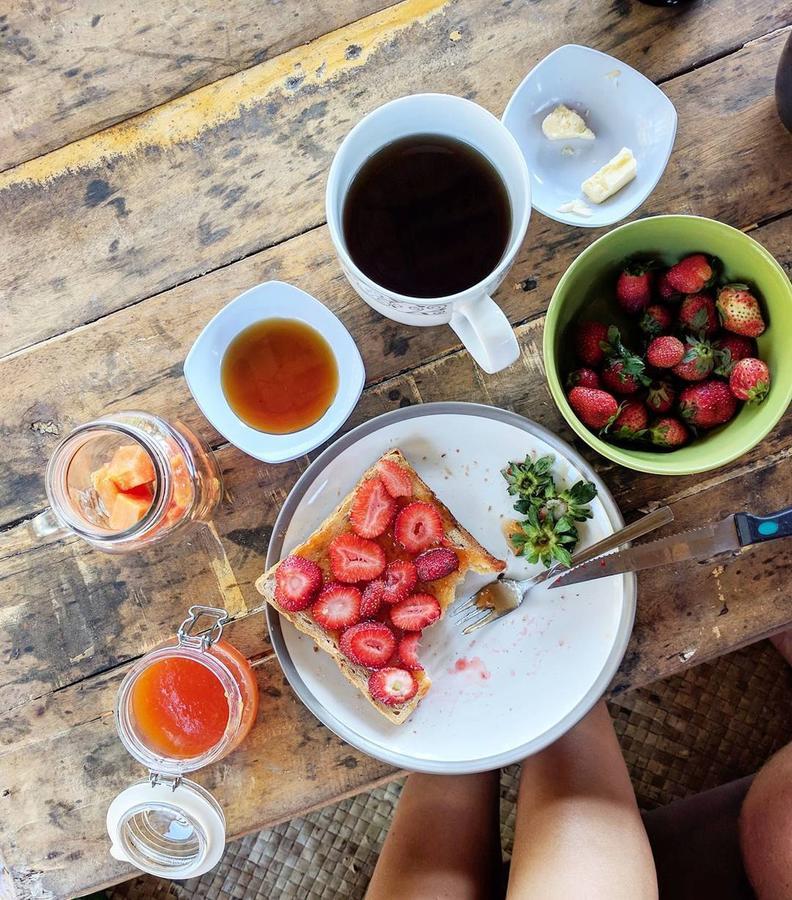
(427, 216)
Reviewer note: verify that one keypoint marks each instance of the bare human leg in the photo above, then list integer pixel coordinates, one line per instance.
(444, 842)
(766, 817)
(578, 831)
(711, 844)
(696, 845)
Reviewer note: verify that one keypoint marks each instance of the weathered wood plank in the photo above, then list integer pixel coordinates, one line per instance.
(65, 745)
(68, 612)
(55, 596)
(69, 70)
(141, 590)
(132, 358)
(240, 164)
(64, 764)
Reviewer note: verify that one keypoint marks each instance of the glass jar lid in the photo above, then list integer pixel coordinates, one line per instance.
(172, 828)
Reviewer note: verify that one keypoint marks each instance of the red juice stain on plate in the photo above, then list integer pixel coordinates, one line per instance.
(473, 665)
(180, 708)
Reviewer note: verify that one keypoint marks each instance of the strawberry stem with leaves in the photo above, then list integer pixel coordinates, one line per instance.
(548, 533)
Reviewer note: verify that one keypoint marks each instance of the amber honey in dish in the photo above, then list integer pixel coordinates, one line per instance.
(279, 375)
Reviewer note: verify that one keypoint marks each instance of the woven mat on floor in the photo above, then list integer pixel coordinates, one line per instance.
(717, 722)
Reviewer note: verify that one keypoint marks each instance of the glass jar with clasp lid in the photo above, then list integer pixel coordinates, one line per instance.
(183, 706)
(129, 479)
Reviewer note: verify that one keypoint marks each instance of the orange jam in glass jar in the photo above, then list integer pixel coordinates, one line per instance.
(188, 703)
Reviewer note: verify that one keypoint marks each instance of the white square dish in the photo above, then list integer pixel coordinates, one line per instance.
(272, 299)
(620, 105)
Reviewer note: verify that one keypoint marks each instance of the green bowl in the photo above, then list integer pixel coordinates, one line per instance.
(586, 290)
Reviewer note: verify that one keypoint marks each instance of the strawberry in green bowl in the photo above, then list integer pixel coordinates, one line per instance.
(667, 344)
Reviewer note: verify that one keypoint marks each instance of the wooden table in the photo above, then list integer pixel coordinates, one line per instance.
(157, 159)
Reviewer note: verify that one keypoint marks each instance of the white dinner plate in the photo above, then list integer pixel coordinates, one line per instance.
(511, 688)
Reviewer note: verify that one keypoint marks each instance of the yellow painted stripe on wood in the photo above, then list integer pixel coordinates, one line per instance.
(183, 119)
(233, 599)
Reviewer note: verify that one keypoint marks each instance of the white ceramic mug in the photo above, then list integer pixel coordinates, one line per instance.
(473, 314)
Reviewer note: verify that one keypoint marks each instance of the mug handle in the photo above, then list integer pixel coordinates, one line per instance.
(486, 333)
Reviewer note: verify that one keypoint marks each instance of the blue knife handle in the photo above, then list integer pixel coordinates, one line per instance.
(755, 529)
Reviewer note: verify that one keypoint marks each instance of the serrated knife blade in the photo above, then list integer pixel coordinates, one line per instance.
(699, 543)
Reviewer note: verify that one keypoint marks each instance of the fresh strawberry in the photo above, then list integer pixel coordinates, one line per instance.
(665, 352)
(730, 349)
(665, 291)
(630, 424)
(297, 582)
(392, 686)
(749, 380)
(634, 287)
(594, 408)
(337, 606)
(372, 510)
(437, 563)
(691, 274)
(415, 612)
(668, 432)
(698, 361)
(698, 315)
(400, 577)
(369, 644)
(353, 558)
(739, 310)
(618, 377)
(418, 526)
(661, 396)
(372, 598)
(408, 652)
(396, 478)
(590, 340)
(583, 377)
(707, 404)
(624, 372)
(656, 320)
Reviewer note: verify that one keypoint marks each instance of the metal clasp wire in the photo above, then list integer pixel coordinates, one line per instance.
(204, 640)
(156, 778)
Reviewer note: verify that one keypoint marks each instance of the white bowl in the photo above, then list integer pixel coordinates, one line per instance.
(272, 299)
(622, 107)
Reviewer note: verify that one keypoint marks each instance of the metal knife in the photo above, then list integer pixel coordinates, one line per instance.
(731, 533)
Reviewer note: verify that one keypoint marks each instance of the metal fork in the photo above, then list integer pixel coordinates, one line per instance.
(500, 597)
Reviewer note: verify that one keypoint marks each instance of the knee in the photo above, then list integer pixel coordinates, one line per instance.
(766, 829)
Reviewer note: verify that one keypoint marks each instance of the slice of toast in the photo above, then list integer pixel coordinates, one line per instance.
(471, 556)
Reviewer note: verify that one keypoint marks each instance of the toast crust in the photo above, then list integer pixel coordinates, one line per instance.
(471, 556)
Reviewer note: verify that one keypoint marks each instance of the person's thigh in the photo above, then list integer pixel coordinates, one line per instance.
(696, 846)
(444, 841)
(578, 832)
(766, 829)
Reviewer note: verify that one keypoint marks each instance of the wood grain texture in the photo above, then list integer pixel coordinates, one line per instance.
(104, 610)
(63, 764)
(240, 164)
(92, 229)
(69, 70)
(132, 358)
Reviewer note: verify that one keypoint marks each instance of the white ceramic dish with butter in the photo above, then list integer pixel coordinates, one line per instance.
(622, 107)
(272, 299)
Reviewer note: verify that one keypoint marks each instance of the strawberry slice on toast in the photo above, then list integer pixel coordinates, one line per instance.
(381, 568)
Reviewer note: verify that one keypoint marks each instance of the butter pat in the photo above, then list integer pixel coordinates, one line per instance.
(563, 123)
(576, 207)
(612, 177)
